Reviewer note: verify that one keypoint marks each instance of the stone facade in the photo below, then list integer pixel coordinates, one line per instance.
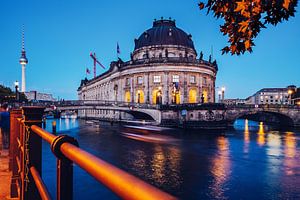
(164, 73)
(37, 96)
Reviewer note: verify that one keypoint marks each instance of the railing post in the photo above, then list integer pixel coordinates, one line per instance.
(32, 150)
(64, 168)
(13, 151)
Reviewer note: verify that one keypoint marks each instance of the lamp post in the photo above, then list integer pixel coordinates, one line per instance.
(223, 93)
(290, 92)
(219, 93)
(17, 93)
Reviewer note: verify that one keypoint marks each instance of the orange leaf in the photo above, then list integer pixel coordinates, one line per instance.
(286, 4)
(241, 6)
(247, 44)
(243, 26)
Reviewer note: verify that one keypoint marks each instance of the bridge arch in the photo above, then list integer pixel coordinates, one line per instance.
(140, 115)
(271, 118)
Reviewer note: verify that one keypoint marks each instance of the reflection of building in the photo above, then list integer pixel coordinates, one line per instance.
(163, 69)
(272, 96)
(34, 95)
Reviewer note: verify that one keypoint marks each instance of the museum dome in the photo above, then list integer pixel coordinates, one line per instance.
(164, 32)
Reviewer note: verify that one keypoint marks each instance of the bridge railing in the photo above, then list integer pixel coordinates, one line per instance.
(69, 103)
(26, 163)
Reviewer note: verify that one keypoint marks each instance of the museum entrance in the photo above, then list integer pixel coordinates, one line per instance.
(157, 97)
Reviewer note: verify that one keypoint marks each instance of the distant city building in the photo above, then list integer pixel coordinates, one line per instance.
(234, 101)
(163, 69)
(282, 96)
(36, 96)
(296, 97)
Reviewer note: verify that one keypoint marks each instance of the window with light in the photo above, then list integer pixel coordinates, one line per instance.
(140, 80)
(175, 79)
(156, 79)
(192, 79)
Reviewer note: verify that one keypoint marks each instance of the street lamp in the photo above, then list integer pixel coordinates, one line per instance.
(17, 93)
(223, 93)
(219, 93)
(290, 92)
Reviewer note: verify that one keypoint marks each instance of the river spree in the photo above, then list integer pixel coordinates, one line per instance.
(252, 162)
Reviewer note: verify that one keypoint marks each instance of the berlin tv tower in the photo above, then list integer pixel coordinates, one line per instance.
(23, 61)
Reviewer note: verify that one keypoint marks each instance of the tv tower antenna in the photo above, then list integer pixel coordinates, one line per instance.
(23, 61)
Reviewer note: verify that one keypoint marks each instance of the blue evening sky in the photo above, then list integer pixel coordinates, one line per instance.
(60, 34)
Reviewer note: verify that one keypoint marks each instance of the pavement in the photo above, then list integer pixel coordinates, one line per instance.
(5, 175)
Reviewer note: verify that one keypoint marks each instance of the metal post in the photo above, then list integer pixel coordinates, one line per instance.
(13, 151)
(64, 179)
(32, 150)
(64, 168)
(54, 127)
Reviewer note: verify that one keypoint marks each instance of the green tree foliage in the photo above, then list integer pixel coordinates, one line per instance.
(7, 95)
(245, 18)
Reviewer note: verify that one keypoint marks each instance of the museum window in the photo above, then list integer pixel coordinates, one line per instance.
(175, 79)
(156, 79)
(204, 80)
(140, 80)
(127, 81)
(192, 79)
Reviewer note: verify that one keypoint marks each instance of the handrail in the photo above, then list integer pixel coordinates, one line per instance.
(40, 184)
(48, 137)
(120, 182)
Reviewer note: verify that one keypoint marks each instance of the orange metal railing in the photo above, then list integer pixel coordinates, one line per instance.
(27, 182)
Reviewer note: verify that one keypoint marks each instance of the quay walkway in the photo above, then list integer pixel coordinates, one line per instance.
(5, 175)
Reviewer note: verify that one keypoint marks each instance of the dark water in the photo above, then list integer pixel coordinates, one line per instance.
(249, 163)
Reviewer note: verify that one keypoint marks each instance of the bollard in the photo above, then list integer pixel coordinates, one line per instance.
(44, 123)
(54, 127)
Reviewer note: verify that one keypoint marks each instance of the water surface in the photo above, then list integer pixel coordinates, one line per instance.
(252, 162)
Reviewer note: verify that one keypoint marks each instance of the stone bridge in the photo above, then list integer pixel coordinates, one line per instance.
(195, 115)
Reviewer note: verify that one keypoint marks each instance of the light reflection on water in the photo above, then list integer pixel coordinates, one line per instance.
(220, 169)
(250, 163)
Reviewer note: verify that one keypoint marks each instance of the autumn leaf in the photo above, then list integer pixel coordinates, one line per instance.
(286, 4)
(201, 5)
(247, 44)
(243, 19)
(240, 6)
(243, 26)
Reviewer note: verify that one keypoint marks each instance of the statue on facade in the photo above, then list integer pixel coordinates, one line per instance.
(201, 56)
(131, 56)
(202, 98)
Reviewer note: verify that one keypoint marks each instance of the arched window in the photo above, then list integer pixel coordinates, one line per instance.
(192, 96)
(127, 96)
(140, 96)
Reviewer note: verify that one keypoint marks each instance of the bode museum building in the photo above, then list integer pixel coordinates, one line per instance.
(164, 69)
